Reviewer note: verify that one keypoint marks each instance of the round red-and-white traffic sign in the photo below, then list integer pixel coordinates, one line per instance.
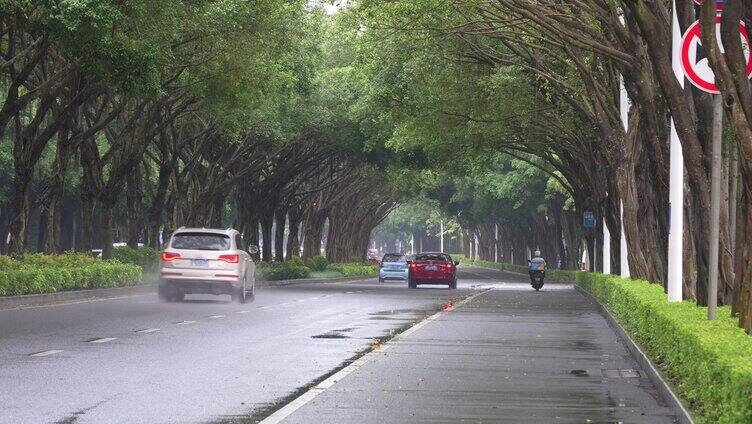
(718, 3)
(695, 63)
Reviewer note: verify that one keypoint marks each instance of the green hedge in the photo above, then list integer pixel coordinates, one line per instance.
(355, 269)
(317, 263)
(708, 362)
(290, 269)
(36, 279)
(551, 274)
(145, 257)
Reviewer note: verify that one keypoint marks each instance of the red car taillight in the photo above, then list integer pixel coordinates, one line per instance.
(230, 259)
(170, 256)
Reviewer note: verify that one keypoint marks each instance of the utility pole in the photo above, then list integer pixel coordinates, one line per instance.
(715, 206)
(676, 183)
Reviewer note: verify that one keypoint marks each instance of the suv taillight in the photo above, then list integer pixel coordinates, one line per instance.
(230, 259)
(169, 256)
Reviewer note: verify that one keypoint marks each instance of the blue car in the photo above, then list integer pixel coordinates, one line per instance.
(393, 267)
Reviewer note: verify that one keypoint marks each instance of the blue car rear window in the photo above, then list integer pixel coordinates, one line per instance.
(393, 258)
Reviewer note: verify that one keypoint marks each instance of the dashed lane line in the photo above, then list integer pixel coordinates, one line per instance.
(215, 316)
(147, 330)
(103, 340)
(185, 322)
(46, 353)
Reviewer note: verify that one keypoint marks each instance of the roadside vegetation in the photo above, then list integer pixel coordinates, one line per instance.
(39, 273)
(709, 363)
(294, 268)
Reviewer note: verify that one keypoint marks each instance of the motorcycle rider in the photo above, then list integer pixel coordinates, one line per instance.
(537, 266)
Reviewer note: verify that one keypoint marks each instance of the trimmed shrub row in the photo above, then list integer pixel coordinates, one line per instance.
(294, 268)
(708, 362)
(290, 269)
(145, 257)
(356, 269)
(317, 263)
(560, 275)
(38, 279)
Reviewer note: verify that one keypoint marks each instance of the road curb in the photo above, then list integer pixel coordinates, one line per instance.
(645, 363)
(75, 296)
(30, 300)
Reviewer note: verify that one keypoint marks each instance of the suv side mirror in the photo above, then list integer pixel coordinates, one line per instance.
(253, 249)
(456, 263)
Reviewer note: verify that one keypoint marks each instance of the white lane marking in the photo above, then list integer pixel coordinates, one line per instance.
(215, 316)
(147, 330)
(243, 312)
(306, 397)
(103, 340)
(185, 322)
(46, 353)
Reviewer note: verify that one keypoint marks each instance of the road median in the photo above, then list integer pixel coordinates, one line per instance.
(75, 296)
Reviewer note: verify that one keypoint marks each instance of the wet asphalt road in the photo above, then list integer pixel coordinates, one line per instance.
(508, 355)
(136, 360)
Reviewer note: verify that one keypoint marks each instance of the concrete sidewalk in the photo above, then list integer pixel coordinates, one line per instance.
(507, 356)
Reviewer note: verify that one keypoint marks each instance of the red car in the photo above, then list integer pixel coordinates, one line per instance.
(432, 268)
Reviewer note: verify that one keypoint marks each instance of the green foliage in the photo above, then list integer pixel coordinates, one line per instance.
(291, 269)
(356, 269)
(317, 263)
(36, 279)
(145, 257)
(554, 275)
(708, 362)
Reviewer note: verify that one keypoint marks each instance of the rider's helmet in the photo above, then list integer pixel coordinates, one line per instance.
(536, 253)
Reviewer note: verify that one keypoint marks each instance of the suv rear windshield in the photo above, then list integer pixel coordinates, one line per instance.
(432, 257)
(200, 241)
(393, 257)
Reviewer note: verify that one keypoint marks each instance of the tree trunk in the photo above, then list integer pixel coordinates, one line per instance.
(279, 236)
(134, 201)
(105, 228)
(267, 221)
(87, 222)
(20, 217)
(293, 237)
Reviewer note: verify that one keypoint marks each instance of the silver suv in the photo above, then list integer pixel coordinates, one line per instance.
(201, 260)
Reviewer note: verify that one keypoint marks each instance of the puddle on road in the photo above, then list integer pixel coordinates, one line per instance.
(400, 312)
(579, 373)
(330, 336)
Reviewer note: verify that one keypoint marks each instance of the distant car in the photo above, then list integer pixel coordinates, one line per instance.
(98, 252)
(373, 256)
(393, 267)
(200, 260)
(432, 268)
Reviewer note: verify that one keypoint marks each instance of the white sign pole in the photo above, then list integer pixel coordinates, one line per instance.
(676, 183)
(442, 235)
(606, 249)
(624, 111)
(496, 243)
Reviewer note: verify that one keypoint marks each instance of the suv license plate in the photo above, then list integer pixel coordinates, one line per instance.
(431, 268)
(200, 262)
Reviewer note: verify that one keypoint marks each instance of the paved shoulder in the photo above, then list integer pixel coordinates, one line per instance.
(507, 356)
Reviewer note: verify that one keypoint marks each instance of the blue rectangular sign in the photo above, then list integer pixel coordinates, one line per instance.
(588, 220)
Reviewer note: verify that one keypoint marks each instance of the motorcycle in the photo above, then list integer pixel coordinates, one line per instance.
(536, 278)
